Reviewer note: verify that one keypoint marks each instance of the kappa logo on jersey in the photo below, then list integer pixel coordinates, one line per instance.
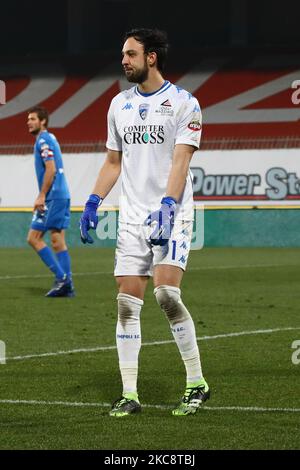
(143, 110)
(152, 134)
(194, 125)
(127, 106)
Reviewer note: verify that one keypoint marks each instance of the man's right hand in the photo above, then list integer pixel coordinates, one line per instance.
(89, 218)
(39, 203)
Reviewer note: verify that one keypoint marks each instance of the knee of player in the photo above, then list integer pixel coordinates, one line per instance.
(54, 245)
(129, 308)
(31, 239)
(166, 295)
(57, 244)
(169, 300)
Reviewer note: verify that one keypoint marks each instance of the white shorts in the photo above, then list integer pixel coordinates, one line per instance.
(135, 256)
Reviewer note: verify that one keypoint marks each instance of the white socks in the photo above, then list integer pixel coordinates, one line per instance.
(128, 337)
(183, 330)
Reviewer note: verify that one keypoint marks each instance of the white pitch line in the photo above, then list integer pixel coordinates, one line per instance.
(151, 343)
(250, 408)
(106, 405)
(97, 273)
(61, 353)
(52, 403)
(238, 266)
(37, 276)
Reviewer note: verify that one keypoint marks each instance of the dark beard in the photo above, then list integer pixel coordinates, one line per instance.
(35, 132)
(140, 76)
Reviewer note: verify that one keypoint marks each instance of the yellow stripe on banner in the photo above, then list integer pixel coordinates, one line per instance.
(115, 208)
(16, 209)
(101, 209)
(73, 209)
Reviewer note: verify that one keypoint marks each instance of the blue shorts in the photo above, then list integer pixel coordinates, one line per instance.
(55, 216)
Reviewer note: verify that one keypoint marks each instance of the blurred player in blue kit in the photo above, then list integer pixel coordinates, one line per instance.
(52, 205)
(153, 130)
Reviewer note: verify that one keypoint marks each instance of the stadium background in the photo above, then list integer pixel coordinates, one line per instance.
(239, 58)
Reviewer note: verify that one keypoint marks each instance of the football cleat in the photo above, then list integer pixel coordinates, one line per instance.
(124, 407)
(192, 399)
(62, 288)
(71, 290)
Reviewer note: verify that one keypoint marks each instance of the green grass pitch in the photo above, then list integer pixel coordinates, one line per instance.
(61, 401)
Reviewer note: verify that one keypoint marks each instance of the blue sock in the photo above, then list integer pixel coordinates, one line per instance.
(47, 256)
(65, 262)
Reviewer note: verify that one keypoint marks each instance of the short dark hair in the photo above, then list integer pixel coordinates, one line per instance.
(153, 40)
(41, 112)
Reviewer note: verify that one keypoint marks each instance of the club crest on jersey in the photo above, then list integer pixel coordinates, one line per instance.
(143, 110)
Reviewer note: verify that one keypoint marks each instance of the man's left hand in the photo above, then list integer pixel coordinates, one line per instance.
(164, 219)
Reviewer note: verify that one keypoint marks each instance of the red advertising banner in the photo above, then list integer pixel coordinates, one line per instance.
(251, 101)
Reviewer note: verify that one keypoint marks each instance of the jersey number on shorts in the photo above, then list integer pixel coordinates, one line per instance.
(174, 249)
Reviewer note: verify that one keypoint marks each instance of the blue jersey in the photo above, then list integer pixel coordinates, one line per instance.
(47, 148)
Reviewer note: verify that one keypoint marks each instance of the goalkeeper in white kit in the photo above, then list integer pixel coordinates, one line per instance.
(153, 130)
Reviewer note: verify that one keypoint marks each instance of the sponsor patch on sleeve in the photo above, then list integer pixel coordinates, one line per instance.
(46, 152)
(194, 125)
